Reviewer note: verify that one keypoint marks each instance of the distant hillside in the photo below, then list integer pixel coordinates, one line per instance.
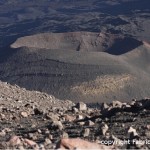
(80, 41)
(88, 75)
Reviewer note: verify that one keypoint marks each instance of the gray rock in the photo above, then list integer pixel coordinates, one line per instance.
(2, 133)
(148, 127)
(86, 132)
(75, 110)
(104, 106)
(39, 131)
(2, 116)
(50, 137)
(24, 114)
(46, 132)
(47, 141)
(147, 133)
(38, 111)
(117, 104)
(89, 123)
(81, 106)
(79, 117)
(104, 128)
(132, 132)
(65, 135)
(58, 124)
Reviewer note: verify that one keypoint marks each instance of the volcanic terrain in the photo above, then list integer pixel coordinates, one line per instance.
(35, 120)
(74, 74)
(86, 66)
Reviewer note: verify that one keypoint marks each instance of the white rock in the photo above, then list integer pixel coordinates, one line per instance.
(89, 123)
(132, 130)
(24, 114)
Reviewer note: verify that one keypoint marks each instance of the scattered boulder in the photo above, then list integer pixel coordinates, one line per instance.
(46, 132)
(132, 132)
(89, 123)
(38, 111)
(104, 106)
(104, 128)
(58, 124)
(47, 141)
(31, 143)
(45, 122)
(2, 116)
(14, 141)
(133, 136)
(69, 118)
(133, 102)
(86, 132)
(2, 133)
(79, 117)
(81, 106)
(147, 133)
(24, 114)
(117, 104)
(78, 143)
(65, 135)
(32, 136)
(148, 126)
(146, 103)
(75, 110)
(52, 116)
(39, 131)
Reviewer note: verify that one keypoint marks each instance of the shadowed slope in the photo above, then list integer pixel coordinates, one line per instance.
(58, 73)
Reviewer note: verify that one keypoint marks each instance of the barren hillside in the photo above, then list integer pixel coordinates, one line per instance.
(57, 65)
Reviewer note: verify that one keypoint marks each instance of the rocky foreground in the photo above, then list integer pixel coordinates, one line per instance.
(34, 120)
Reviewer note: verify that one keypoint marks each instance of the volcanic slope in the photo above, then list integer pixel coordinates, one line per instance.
(20, 98)
(70, 66)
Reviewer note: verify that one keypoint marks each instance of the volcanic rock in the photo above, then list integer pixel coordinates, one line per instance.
(81, 144)
(86, 132)
(104, 128)
(52, 116)
(81, 106)
(47, 141)
(58, 125)
(24, 114)
(65, 135)
(14, 141)
(89, 123)
(132, 132)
